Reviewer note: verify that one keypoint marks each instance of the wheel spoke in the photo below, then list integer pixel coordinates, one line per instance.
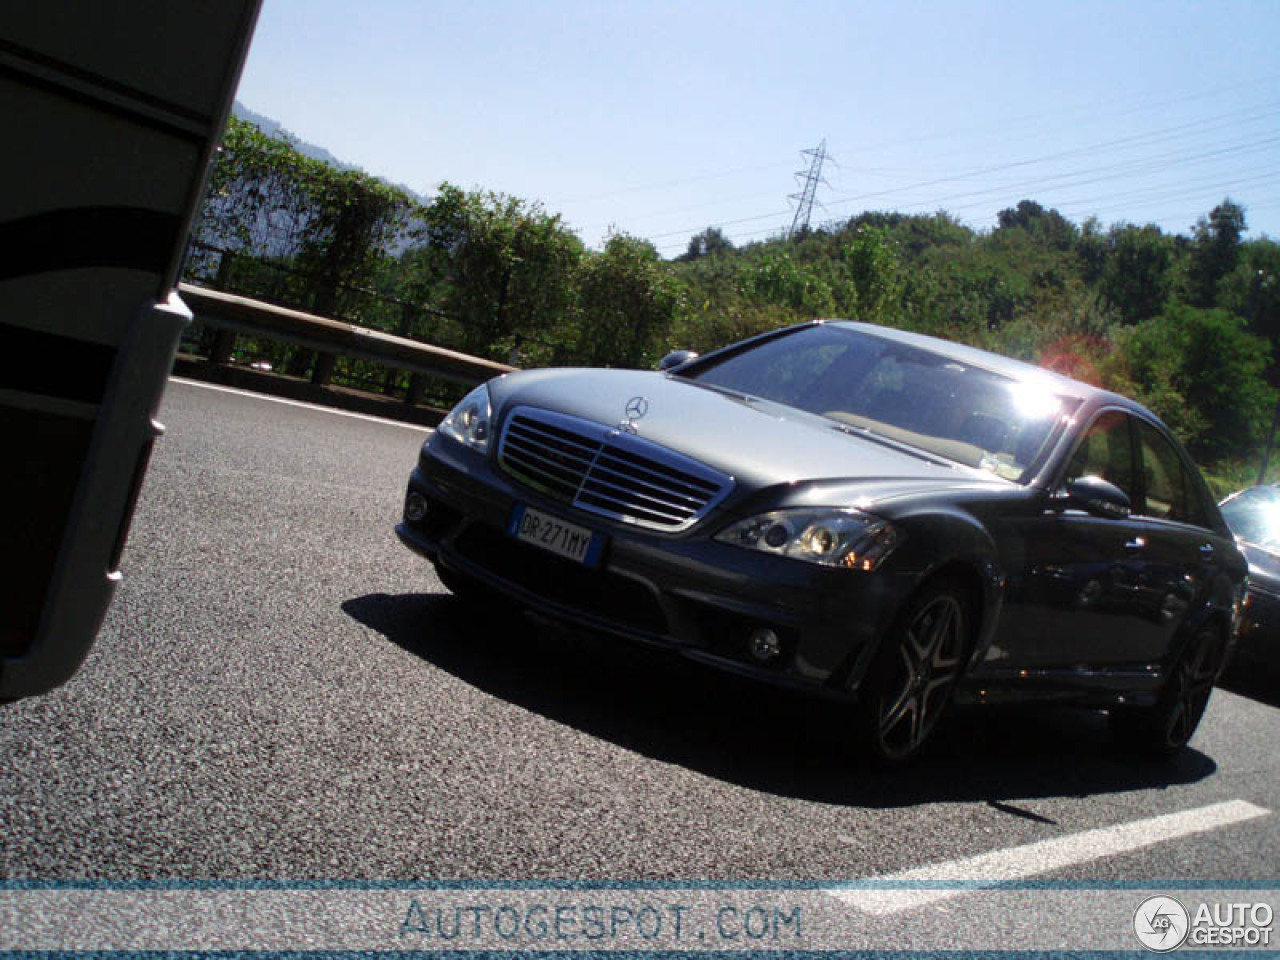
(927, 665)
(908, 704)
(901, 701)
(918, 642)
(941, 614)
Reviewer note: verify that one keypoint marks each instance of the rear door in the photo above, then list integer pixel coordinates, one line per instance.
(1080, 597)
(1183, 555)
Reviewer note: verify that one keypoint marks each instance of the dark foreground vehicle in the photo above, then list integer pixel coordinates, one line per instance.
(115, 109)
(853, 511)
(1254, 517)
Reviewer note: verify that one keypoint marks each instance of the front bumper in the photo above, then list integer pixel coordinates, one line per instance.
(1258, 637)
(684, 591)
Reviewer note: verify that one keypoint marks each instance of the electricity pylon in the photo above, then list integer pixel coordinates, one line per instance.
(808, 180)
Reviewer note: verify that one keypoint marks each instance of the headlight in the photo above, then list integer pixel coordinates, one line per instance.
(468, 422)
(831, 537)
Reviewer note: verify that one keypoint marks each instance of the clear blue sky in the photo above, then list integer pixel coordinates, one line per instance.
(662, 118)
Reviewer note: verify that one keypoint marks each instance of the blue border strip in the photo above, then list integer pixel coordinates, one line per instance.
(630, 954)
(628, 885)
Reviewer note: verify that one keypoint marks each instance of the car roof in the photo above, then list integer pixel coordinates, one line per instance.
(1005, 366)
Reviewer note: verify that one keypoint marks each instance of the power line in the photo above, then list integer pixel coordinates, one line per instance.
(1001, 129)
(1146, 138)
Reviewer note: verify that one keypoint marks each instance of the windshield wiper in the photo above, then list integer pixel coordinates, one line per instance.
(738, 395)
(865, 434)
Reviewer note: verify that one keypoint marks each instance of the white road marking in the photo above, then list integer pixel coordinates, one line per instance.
(1034, 859)
(299, 403)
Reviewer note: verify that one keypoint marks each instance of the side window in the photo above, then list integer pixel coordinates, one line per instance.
(1169, 492)
(1197, 514)
(1106, 452)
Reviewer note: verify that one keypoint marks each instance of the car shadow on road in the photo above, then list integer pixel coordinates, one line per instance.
(662, 706)
(1257, 681)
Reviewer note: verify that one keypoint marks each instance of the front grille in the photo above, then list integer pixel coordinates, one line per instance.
(607, 471)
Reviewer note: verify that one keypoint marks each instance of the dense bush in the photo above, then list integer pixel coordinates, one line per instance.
(1183, 323)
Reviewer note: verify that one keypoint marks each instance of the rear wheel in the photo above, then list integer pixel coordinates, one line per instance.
(915, 673)
(1165, 728)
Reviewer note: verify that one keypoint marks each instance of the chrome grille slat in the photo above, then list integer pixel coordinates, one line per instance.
(557, 439)
(601, 470)
(614, 463)
(643, 463)
(638, 514)
(647, 490)
(560, 449)
(601, 491)
(564, 485)
(574, 469)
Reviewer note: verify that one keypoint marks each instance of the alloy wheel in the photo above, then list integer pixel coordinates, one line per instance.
(927, 667)
(1192, 684)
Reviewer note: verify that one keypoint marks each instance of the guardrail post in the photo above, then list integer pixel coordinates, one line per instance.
(417, 389)
(224, 345)
(224, 340)
(322, 372)
(324, 302)
(408, 313)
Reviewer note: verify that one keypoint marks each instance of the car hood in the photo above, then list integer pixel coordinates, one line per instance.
(1264, 567)
(759, 443)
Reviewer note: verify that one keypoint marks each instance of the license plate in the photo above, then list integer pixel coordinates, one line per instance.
(556, 535)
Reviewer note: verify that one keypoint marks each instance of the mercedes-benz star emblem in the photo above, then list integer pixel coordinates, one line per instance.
(637, 407)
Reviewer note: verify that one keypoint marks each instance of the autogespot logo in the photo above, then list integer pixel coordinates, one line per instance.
(1161, 924)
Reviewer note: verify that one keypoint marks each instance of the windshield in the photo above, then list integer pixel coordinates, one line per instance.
(1254, 515)
(864, 383)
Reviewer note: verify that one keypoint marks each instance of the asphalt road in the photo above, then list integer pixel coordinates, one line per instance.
(282, 691)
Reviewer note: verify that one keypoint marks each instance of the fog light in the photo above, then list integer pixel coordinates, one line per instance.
(415, 507)
(764, 644)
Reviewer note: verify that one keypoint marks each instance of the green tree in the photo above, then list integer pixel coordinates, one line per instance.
(872, 285)
(1252, 291)
(1092, 250)
(511, 268)
(777, 277)
(627, 305)
(1046, 226)
(1215, 249)
(1137, 277)
(1201, 371)
(708, 243)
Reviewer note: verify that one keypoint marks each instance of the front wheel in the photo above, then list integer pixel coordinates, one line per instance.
(915, 673)
(1165, 728)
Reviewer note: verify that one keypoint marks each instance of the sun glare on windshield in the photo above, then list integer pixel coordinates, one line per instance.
(1034, 401)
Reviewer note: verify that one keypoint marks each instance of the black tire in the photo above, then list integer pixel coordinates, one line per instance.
(1165, 728)
(915, 673)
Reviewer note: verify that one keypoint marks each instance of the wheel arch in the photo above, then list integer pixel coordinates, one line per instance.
(980, 582)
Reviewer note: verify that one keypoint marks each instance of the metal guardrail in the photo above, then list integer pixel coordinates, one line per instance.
(233, 314)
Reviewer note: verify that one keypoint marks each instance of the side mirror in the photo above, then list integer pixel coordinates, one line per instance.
(676, 358)
(1098, 497)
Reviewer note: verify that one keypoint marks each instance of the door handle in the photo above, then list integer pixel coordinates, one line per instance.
(1206, 551)
(1137, 543)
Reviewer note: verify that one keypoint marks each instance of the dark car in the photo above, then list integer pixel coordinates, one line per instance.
(1254, 517)
(852, 511)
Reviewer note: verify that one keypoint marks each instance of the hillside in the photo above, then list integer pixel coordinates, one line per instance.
(1184, 322)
